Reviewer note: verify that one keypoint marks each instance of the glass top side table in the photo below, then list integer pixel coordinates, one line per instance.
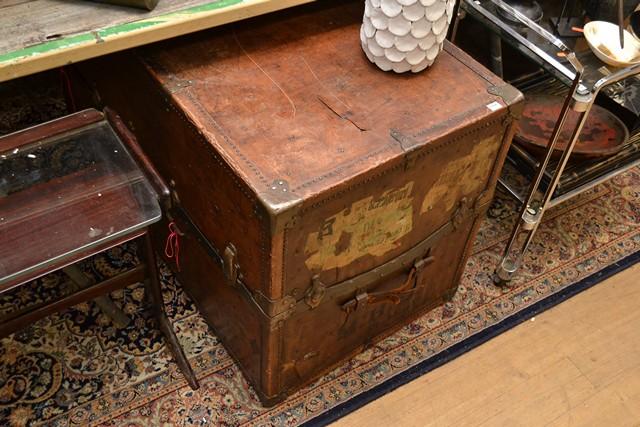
(70, 189)
(64, 195)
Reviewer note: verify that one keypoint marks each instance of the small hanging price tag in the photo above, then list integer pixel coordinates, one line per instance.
(494, 106)
(172, 245)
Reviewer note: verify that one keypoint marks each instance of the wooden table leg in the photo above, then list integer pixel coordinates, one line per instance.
(152, 285)
(105, 303)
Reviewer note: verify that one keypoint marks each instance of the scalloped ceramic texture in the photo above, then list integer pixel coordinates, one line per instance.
(405, 35)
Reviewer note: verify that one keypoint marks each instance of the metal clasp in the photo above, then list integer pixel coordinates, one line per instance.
(461, 212)
(230, 267)
(315, 293)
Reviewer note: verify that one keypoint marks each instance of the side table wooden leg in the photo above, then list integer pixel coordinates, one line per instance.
(152, 286)
(108, 307)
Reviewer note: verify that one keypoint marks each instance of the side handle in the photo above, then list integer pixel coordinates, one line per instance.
(409, 285)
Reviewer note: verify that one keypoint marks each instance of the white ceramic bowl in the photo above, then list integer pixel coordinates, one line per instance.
(604, 40)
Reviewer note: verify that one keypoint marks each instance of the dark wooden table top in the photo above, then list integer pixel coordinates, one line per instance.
(66, 197)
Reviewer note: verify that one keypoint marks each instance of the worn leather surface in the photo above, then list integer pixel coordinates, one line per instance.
(295, 100)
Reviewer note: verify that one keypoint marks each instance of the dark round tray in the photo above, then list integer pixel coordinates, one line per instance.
(603, 133)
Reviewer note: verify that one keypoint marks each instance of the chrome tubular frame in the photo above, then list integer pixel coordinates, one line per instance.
(580, 99)
(533, 208)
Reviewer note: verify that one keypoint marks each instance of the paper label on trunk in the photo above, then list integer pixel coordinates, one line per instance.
(371, 226)
(465, 175)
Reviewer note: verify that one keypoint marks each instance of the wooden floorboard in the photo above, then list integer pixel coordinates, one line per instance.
(577, 364)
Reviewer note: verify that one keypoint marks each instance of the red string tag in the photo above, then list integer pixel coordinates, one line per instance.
(66, 87)
(172, 246)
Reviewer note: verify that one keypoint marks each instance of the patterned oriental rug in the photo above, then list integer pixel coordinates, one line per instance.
(77, 369)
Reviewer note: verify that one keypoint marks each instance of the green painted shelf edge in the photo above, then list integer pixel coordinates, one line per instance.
(86, 44)
(99, 36)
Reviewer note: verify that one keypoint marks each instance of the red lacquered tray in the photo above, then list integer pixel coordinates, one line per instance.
(603, 133)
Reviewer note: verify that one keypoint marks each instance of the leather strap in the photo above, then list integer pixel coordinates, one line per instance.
(393, 296)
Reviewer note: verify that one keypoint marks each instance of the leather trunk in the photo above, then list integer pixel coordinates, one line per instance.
(323, 202)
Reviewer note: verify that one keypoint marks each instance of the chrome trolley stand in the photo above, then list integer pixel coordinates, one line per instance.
(580, 99)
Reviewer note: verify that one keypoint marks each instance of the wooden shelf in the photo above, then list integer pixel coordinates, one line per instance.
(36, 35)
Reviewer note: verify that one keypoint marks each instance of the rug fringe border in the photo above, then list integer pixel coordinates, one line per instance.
(470, 343)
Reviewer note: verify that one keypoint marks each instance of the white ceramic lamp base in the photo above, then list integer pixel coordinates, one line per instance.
(405, 35)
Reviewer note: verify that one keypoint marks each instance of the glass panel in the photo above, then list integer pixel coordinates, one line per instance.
(545, 54)
(525, 40)
(62, 196)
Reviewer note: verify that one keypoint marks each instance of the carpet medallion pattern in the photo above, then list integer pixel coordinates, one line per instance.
(76, 369)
